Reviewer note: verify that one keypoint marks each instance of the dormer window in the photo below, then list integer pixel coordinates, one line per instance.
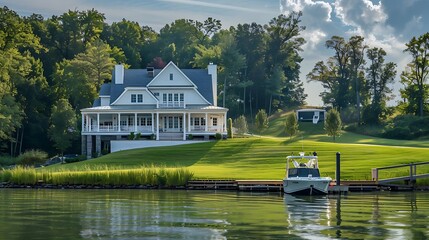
(136, 98)
(171, 77)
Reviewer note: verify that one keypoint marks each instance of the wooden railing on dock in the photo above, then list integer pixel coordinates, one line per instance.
(409, 179)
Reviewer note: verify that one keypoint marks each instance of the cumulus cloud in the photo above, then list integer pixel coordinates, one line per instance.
(384, 23)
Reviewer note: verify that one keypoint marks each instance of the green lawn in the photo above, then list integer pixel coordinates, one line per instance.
(264, 157)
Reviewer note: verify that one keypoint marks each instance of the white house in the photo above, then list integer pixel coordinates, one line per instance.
(166, 104)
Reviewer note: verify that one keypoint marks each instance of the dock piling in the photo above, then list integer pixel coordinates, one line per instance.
(338, 169)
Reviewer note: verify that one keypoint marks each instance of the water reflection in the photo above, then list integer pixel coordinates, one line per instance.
(147, 214)
(308, 215)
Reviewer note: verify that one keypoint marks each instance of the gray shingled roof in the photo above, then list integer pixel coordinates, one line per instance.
(105, 89)
(96, 103)
(140, 78)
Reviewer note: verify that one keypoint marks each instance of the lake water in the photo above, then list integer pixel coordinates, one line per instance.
(179, 214)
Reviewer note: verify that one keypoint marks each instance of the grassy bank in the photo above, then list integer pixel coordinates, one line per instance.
(256, 157)
(99, 175)
(263, 158)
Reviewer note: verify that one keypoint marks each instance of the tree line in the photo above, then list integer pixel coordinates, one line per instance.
(51, 68)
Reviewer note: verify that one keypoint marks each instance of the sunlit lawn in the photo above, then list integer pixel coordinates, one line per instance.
(264, 157)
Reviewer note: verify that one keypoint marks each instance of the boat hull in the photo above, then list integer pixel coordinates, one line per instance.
(306, 186)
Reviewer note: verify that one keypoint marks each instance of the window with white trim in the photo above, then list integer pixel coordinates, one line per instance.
(173, 99)
(171, 77)
(214, 121)
(136, 98)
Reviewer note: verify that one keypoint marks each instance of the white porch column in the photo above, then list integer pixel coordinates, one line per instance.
(119, 122)
(89, 123)
(206, 127)
(189, 122)
(157, 126)
(83, 122)
(183, 125)
(98, 122)
(135, 122)
(224, 123)
(153, 122)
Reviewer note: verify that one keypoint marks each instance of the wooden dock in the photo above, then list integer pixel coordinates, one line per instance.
(375, 184)
(275, 185)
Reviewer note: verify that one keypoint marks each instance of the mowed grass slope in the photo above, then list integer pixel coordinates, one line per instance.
(264, 157)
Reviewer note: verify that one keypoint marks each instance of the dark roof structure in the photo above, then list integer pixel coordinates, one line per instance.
(140, 78)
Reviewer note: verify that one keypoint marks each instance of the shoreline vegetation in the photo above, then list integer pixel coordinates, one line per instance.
(143, 177)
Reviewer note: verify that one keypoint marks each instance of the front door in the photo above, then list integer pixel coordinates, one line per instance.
(173, 124)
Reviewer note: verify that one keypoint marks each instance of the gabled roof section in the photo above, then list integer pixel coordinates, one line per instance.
(203, 82)
(199, 78)
(135, 88)
(164, 71)
(132, 78)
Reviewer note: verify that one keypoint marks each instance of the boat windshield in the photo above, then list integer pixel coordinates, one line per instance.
(303, 172)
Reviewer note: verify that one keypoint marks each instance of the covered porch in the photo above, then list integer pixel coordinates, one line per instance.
(148, 123)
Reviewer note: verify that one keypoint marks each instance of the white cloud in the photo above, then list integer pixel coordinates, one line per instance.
(213, 5)
(370, 19)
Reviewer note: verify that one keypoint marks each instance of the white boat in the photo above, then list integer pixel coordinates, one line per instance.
(303, 176)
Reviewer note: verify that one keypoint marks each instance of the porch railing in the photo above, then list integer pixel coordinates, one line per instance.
(172, 105)
(115, 128)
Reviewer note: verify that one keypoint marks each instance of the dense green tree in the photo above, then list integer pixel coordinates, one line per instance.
(333, 123)
(251, 42)
(149, 51)
(291, 125)
(261, 120)
(379, 76)
(62, 125)
(411, 93)
(177, 42)
(283, 47)
(11, 115)
(416, 76)
(275, 86)
(209, 27)
(357, 53)
(231, 63)
(128, 36)
(325, 73)
(23, 85)
(240, 125)
(342, 73)
(66, 35)
(80, 79)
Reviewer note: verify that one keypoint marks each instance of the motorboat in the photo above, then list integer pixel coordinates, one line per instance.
(303, 176)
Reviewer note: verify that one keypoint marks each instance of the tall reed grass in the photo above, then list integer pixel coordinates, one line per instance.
(153, 176)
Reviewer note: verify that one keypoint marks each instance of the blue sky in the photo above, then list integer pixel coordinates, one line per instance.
(386, 23)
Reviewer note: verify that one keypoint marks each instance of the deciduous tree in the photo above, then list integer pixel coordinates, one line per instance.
(261, 120)
(291, 125)
(333, 123)
(417, 74)
(62, 125)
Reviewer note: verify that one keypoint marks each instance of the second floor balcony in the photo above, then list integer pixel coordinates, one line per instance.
(175, 104)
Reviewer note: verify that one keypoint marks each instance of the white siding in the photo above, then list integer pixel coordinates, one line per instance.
(191, 95)
(125, 99)
(163, 78)
(119, 145)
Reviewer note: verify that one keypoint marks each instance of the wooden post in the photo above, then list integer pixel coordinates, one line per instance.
(338, 169)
